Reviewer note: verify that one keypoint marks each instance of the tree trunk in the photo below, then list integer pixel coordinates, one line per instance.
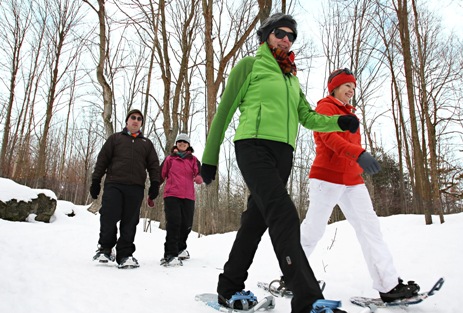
(434, 204)
(17, 26)
(420, 195)
(100, 71)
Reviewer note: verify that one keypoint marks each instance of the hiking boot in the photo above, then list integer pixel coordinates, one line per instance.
(184, 255)
(104, 255)
(325, 306)
(400, 291)
(242, 300)
(171, 261)
(128, 262)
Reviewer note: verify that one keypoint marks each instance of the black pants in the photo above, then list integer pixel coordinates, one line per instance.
(179, 220)
(265, 166)
(120, 203)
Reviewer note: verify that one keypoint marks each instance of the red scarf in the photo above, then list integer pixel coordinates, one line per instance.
(285, 60)
(134, 135)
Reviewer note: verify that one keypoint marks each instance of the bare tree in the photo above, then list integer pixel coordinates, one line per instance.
(349, 41)
(171, 59)
(64, 16)
(431, 185)
(423, 56)
(387, 30)
(100, 70)
(14, 24)
(222, 45)
(169, 32)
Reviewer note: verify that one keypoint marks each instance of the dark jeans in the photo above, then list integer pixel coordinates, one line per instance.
(120, 203)
(265, 166)
(179, 220)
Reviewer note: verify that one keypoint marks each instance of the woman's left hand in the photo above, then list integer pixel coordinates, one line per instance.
(198, 179)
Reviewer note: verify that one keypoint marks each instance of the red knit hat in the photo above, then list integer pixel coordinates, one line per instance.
(339, 77)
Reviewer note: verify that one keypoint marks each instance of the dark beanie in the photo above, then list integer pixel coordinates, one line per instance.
(275, 21)
(132, 112)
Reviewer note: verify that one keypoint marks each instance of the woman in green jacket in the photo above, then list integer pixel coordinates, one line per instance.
(268, 94)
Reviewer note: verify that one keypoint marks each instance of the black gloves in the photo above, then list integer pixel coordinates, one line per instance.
(95, 188)
(208, 173)
(153, 192)
(368, 163)
(348, 122)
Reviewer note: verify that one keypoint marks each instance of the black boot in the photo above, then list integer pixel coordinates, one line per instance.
(400, 291)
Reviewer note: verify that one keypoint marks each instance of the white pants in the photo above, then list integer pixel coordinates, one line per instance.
(355, 203)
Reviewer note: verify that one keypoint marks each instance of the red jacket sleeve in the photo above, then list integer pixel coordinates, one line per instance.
(344, 144)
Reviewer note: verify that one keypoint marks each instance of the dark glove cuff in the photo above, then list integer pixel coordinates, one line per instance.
(348, 122)
(208, 173)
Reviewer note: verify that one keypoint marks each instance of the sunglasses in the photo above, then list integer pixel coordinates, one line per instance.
(280, 34)
(138, 118)
(182, 141)
(337, 72)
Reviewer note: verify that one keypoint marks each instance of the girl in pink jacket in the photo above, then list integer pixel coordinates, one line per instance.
(180, 170)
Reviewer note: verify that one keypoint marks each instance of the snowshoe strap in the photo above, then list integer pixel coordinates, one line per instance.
(277, 288)
(325, 306)
(244, 297)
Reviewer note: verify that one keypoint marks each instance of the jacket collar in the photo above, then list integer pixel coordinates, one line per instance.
(265, 53)
(340, 104)
(126, 132)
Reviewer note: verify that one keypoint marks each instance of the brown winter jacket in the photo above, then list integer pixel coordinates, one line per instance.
(125, 160)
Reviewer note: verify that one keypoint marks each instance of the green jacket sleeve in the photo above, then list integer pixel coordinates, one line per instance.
(315, 121)
(235, 90)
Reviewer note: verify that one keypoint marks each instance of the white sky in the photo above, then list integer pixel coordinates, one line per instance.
(48, 268)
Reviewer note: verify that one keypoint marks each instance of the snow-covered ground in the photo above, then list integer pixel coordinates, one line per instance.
(48, 268)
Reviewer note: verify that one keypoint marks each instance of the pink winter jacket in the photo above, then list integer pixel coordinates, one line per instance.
(179, 175)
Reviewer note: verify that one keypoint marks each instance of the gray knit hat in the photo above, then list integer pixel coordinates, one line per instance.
(132, 112)
(183, 137)
(274, 21)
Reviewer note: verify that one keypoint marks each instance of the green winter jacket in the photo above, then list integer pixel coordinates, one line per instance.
(271, 105)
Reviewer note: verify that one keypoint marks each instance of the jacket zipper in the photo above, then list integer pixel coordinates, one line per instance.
(258, 120)
(287, 81)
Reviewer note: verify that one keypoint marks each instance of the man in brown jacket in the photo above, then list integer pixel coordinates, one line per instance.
(125, 158)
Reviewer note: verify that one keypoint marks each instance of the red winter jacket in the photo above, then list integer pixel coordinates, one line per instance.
(337, 152)
(179, 174)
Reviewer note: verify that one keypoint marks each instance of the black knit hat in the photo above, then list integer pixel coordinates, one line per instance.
(274, 21)
(132, 112)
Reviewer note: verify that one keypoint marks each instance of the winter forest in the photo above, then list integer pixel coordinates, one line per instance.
(70, 70)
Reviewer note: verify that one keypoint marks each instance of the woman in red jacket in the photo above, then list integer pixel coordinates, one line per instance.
(336, 179)
(180, 169)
